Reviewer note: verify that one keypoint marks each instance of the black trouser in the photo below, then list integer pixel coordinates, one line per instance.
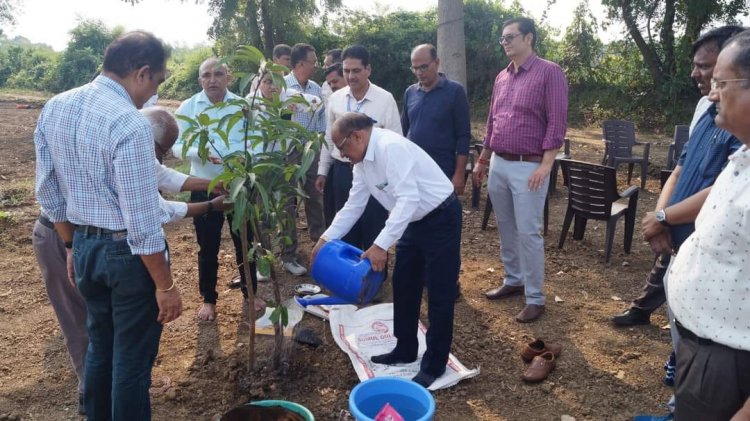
(653, 295)
(713, 380)
(429, 252)
(208, 233)
(372, 221)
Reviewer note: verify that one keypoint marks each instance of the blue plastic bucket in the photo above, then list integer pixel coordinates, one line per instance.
(412, 401)
(301, 410)
(350, 279)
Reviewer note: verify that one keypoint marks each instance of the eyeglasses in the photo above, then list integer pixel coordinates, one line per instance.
(507, 39)
(421, 67)
(313, 62)
(718, 85)
(340, 146)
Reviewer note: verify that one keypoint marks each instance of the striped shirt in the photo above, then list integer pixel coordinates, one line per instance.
(529, 109)
(312, 121)
(95, 164)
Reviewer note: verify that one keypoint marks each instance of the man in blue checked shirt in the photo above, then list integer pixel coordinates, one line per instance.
(304, 62)
(96, 181)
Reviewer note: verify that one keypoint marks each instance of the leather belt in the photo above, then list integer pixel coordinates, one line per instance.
(447, 202)
(516, 157)
(92, 230)
(46, 222)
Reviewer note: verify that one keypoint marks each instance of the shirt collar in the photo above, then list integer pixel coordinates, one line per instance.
(292, 81)
(203, 97)
(113, 85)
(442, 80)
(364, 98)
(526, 65)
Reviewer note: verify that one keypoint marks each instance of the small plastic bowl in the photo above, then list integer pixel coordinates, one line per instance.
(304, 290)
(292, 406)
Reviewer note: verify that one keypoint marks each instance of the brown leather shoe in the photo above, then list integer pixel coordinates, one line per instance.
(504, 291)
(539, 347)
(530, 313)
(540, 368)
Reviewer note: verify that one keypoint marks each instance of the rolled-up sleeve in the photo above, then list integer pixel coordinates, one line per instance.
(48, 190)
(556, 108)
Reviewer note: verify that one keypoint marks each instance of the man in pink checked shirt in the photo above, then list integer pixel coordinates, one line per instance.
(525, 128)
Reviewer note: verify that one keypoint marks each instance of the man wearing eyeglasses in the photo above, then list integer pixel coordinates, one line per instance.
(525, 129)
(436, 116)
(66, 301)
(363, 96)
(96, 182)
(425, 225)
(708, 288)
(304, 62)
(699, 164)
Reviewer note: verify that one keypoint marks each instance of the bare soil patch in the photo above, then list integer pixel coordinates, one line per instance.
(604, 373)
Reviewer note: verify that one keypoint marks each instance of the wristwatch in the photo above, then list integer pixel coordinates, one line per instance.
(661, 217)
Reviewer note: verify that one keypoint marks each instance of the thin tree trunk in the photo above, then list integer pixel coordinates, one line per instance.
(251, 16)
(649, 56)
(250, 297)
(268, 39)
(451, 45)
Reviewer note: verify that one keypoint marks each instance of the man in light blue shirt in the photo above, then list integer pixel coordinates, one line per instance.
(96, 181)
(304, 61)
(214, 77)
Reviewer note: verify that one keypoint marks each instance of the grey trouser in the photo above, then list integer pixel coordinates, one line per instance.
(65, 299)
(519, 221)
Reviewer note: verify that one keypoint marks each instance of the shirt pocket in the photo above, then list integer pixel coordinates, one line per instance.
(715, 158)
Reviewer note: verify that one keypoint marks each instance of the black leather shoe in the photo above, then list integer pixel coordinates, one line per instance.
(632, 317)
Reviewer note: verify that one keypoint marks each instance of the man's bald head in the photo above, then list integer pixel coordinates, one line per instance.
(351, 121)
(165, 129)
(350, 133)
(427, 49)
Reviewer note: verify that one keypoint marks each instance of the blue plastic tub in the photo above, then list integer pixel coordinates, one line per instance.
(350, 279)
(412, 401)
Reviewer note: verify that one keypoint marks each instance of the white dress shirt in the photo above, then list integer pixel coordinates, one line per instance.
(709, 282)
(377, 103)
(169, 180)
(402, 177)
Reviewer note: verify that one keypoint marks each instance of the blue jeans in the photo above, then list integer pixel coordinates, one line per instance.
(123, 331)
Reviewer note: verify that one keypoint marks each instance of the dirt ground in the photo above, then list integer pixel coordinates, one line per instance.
(604, 373)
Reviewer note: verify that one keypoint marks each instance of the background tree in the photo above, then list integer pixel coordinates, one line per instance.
(663, 31)
(263, 23)
(8, 9)
(85, 52)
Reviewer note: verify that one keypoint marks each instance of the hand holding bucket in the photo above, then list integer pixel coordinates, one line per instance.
(340, 267)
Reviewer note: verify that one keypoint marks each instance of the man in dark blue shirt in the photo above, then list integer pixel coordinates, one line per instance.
(436, 116)
(701, 161)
